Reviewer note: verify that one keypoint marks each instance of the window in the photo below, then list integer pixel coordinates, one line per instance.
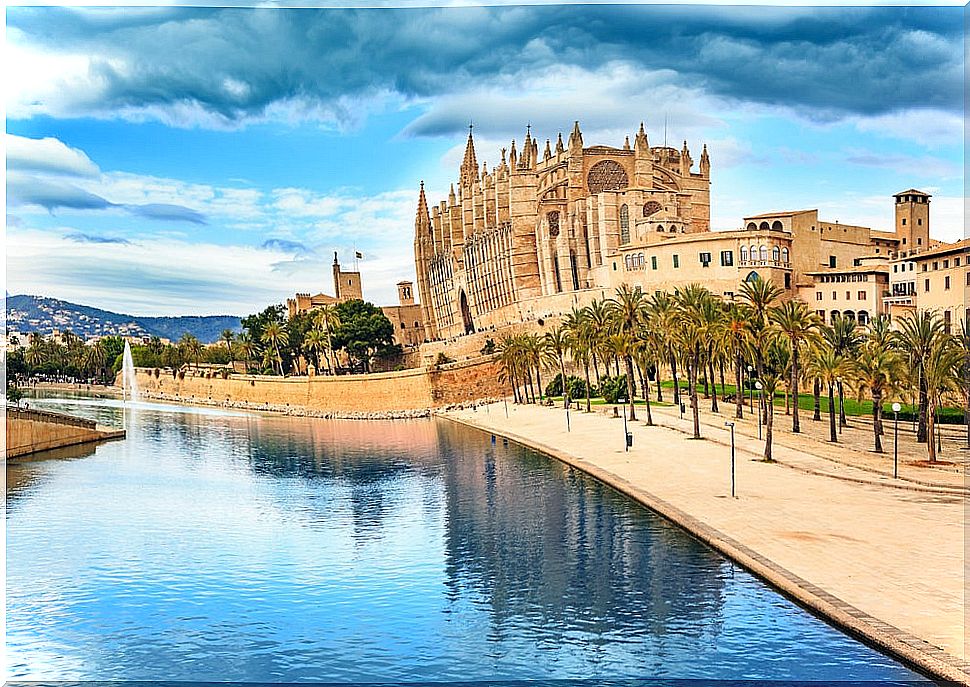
(926, 286)
(676, 261)
(763, 253)
(895, 268)
(744, 253)
(403, 326)
(832, 261)
(553, 220)
(626, 262)
(653, 263)
(919, 222)
(924, 267)
(787, 280)
(947, 322)
(861, 295)
(904, 221)
(936, 265)
(834, 296)
(705, 259)
(624, 224)
(727, 258)
(946, 263)
(776, 253)
(956, 262)
(818, 295)
(919, 241)
(754, 252)
(614, 265)
(946, 283)
(848, 295)
(784, 255)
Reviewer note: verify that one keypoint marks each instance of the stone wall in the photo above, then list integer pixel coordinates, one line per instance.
(385, 392)
(30, 431)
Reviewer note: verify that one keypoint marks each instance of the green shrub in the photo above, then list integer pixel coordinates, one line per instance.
(614, 388)
(442, 359)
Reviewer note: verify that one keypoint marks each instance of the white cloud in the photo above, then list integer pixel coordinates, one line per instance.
(930, 128)
(48, 155)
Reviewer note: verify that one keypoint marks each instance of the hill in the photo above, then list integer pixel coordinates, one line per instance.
(27, 314)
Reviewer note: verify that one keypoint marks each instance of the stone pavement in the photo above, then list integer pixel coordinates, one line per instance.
(884, 563)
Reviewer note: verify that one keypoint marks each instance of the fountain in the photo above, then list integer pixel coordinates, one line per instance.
(129, 383)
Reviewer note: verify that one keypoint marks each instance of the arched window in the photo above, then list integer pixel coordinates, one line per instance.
(673, 228)
(640, 261)
(752, 276)
(754, 252)
(626, 262)
(763, 226)
(660, 228)
(651, 208)
(624, 224)
(752, 226)
(784, 255)
(863, 317)
(849, 315)
(763, 253)
(835, 315)
(553, 219)
(776, 226)
(775, 253)
(744, 253)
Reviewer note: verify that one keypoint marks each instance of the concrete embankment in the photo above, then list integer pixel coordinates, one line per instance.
(405, 393)
(885, 565)
(33, 431)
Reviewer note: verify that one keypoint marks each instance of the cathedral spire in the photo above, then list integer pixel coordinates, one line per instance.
(451, 195)
(626, 143)
(513, 156)
(422, 220)
(469, 166)
(640, 142)
(559, 146)
(527, 147)
(705, 162)
(576, 137)
(548, 153)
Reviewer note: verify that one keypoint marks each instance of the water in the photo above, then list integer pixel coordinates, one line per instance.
(225, 546)
(129, 380)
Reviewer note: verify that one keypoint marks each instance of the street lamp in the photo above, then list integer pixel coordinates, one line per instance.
(731, 425)
(627, 437)
(841, 403)
(759, 387)
(568, 403)
(896, 408)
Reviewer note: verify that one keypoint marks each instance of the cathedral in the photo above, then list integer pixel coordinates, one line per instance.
(540, 226)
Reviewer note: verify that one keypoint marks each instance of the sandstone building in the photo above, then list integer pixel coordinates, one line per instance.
(537, 235)
(406, 316)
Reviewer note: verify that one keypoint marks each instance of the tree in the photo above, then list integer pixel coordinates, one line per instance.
(940, 371)
(254, 324)
(918, 335)
(690, 338)
(228, 336)
(275, 337)
(364, 332)
(555, 346)
(580, 340)
(828, 367)
(800, 327)
(760, 296)
(878, 370)
(327, 320)
(627, 312)
(191, 348)
(845, 339)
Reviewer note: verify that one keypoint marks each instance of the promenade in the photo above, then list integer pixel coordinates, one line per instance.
(882, 558)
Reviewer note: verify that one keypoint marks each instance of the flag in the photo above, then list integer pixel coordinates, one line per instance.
(358, 255)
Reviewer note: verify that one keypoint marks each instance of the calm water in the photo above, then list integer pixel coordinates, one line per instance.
(218, 546)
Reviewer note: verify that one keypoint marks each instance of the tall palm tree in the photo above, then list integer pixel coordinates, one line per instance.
(228, 337)
(662, 310)
(962, 341)
(828, 367)
(736, 343)
(845, 338)
(628, 314)
(327, 319)
(940, 370)
(691, 301)
(191, 348)
(918, 335)
(246, 347)
(800, 327)
(275, 336)
(555, 347)
(878, 370)
(580, 339)
(315, 343)
(599, 323)
(760, 296)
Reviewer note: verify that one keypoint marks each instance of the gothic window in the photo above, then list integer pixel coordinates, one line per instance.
(651, 208)
(624, 224)
(752, 276)
(606, 175)
(553, 219)
(574, 269)
(660, 228)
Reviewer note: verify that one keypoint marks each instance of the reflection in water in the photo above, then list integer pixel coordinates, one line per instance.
(223, 546)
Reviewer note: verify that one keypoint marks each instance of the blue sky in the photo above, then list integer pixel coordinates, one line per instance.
(188, 160)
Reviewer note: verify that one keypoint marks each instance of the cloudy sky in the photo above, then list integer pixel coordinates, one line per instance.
(206, 161)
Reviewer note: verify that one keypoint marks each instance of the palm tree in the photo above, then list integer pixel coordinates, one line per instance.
(828, 367)
(690, 337)
(95, 359)
(228, 336)
(918, 335)
(580, 338)
(878, 370)
(327, 319)
(246, 347)
(314, 343)
(759, 295)
(599, 324)
(628, 314)
(662, 310)
(509, 357)
(274, 336)
(940, 371)
(769, 384)
(736, 342)
(191, 348)
(555, 346)
(800, 326)
(844, 337)
(962, 341)
(643, 351)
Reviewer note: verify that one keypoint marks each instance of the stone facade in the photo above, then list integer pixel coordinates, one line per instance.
(32, 431)
(535, 236)
(934, 279)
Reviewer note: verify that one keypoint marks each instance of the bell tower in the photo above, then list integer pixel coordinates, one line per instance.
(913, 220)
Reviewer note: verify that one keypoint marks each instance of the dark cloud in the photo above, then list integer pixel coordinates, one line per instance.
(81, 237)
(285, 246)
(237, 64)
(167, 212)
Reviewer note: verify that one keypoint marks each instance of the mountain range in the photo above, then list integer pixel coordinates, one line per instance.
(27, 314)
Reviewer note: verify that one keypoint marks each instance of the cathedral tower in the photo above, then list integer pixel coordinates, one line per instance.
(913, 220)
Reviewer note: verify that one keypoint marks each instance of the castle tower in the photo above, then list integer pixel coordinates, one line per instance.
(913, 220)
(405, 293)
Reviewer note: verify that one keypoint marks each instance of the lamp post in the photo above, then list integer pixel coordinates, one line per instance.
(841, 403)
(759, 387)
(750, 390)
(896, 408)
(731, 425)
(626, 435)
(568, 403)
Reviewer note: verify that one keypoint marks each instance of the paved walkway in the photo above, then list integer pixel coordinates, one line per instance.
(883, 562)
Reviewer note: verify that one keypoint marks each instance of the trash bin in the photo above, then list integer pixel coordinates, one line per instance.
(629, 439)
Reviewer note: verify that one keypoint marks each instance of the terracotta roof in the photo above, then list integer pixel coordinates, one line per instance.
(911, 192)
